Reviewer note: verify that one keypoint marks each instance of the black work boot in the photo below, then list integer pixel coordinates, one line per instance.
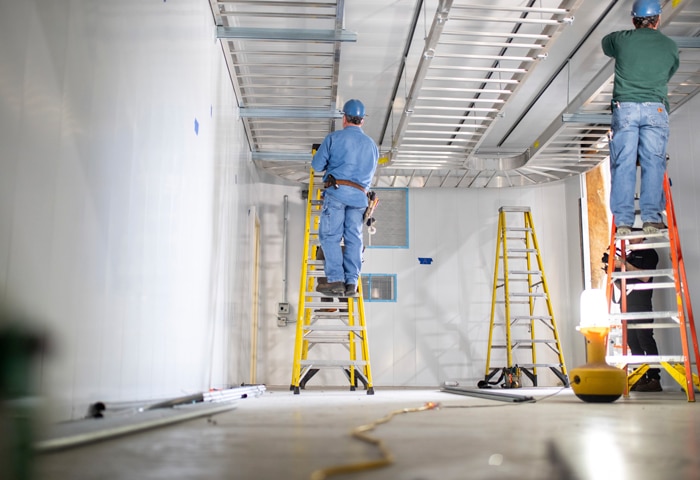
(331, 289)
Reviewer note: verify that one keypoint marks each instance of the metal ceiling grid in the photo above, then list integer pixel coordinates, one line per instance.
(283, 57)
(579, 140)
(475, 57)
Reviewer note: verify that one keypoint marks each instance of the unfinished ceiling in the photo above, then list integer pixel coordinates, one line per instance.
(459, 93)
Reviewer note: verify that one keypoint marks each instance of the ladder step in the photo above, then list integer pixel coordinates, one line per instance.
(666, 272)
(642, 315)
(318, 363)
(334, 328)
(328, 340)
(637, 359)
(539, 365)
(638, 326)
(522, 250)
(647, 246)
(650, 286)
(525, 341)
(322, 305)
(517, 318)
(513, 209)
(528, 294)
(518, 229)
(524, 272)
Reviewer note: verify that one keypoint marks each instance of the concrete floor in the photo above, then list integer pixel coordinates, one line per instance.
(279, 435)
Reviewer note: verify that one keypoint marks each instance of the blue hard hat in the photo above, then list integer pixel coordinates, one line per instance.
(646, 8)
(354, 108)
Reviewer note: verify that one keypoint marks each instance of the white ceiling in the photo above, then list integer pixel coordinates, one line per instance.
(459, 93)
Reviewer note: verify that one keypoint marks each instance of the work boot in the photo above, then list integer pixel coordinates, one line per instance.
(624, 230)
(640, 382)
(350, 290)
(331, 289)
(653, 227)
(653, 385)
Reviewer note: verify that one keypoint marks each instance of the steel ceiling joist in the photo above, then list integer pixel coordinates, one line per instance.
(459, 101)
(289, 34)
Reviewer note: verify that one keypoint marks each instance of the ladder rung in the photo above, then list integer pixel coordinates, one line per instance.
(650, 286)
(539, 365)
(333, 363)
(514, 302)
(531, 317)
(528, 294)
(513, 209)
(530, 340)
(643, 315)
(637, 359)
(647, 246)
(637, 326)
(518, 229)
(524, 272)
(319, 305)
(327, 339)
(522, 250)
(334, 328)
(666, 272)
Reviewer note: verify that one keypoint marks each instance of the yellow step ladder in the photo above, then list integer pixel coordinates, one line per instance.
(679, 367)
(332, 329)
(526, 319)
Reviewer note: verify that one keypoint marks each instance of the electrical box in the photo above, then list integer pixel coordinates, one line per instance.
(282, 321)
(283, 308)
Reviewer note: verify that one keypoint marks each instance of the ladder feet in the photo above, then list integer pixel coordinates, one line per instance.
(370, 391)
(296, 390)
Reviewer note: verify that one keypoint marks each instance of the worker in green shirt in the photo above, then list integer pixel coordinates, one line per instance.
(645, 60)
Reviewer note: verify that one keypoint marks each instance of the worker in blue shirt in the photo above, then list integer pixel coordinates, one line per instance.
(645, 60)
(349, 159)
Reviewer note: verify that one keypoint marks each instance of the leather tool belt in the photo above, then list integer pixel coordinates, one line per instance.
(331, 181)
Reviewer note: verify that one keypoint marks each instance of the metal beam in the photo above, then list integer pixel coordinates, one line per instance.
(601, 118)
(290, 34)
(687, 42)
(282, 157)
(288, 113)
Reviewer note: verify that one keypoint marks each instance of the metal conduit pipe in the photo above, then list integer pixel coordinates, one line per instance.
(192, 406)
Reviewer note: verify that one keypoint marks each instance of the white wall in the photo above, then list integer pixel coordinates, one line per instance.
(438, 328)
(122, 229)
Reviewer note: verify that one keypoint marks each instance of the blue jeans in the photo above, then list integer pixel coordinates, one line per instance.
(639, 133)
(340, 221)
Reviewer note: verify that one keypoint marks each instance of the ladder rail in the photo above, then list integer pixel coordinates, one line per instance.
(300, 348)
(494, 296)
(676, 259)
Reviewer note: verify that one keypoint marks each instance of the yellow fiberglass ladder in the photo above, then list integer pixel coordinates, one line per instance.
(331, 333)
(679, 367)
(522, 319)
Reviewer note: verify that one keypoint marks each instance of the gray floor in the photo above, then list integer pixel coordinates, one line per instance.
(279, 435)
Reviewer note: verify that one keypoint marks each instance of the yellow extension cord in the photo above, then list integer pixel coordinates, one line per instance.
(360, 434)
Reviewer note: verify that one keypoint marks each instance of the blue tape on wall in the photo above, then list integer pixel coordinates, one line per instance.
(425, 261)
(196, 127)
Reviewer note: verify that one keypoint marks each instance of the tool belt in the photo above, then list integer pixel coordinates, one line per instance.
(331, 181)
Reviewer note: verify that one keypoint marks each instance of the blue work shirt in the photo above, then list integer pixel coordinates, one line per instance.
(348, 154)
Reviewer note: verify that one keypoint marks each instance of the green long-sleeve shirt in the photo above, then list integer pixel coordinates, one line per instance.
(645, 60)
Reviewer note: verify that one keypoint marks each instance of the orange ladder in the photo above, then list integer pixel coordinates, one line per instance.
(679, 367)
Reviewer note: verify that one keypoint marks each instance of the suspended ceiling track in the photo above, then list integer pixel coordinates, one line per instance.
(284, 59)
